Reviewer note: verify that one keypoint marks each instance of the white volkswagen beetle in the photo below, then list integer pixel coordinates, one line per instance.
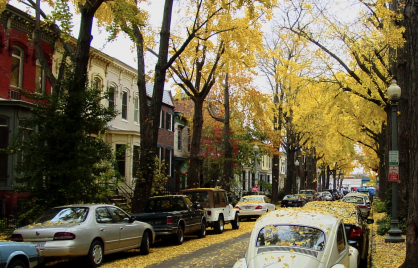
(298, 238)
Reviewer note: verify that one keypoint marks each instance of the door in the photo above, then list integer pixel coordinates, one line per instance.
(129, 233)
(195, 216)
(108, 229)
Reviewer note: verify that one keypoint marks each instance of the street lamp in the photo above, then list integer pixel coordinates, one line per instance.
(394, 94)
(297, 175)
(256, 150)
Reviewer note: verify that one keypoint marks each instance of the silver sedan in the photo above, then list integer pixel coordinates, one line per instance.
(86, 230)
(254, 206)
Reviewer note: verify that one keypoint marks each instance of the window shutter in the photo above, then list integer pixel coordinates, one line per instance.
(162, 119)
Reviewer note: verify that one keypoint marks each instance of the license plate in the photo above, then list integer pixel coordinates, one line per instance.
(40, 245)
(290, 202)
(247, 207)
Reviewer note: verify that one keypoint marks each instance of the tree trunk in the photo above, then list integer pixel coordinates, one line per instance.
(193, 176)
(150, 117)
(228, 154)
(406, 73)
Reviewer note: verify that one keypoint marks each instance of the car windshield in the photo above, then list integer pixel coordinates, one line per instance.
(291, 235)
(290, 196)
(354, 199)
(64, 215)
(256, 199)
(308, 192)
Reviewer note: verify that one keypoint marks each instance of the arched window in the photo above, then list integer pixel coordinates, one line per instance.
(111, 96)
(97, 83)
(136, 109)
(39, 78)
(125, 105)
(16, 76)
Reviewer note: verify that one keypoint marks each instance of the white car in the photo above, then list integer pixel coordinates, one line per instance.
(299, 238)
(252, 206)
(327, 196)
(91, 230)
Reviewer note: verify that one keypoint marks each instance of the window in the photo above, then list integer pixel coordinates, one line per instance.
(125, 105)
(168, 162)
(103, 215)
(168, 122)
(161, 119)
(160, 155)
(118, 215)
(39, 78)
(189, 139)
(4, 142)
(340, 238)
(136, 110)
(135, 161)
(179, 138)
(121, 158)
(111, 97)
(17, 67)
(97, 83)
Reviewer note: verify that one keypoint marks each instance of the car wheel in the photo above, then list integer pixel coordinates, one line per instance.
(202, 231)
(145, 244)
(235, 223)
(219, 225)
(179, 236)
(96, 254)
(17, 264)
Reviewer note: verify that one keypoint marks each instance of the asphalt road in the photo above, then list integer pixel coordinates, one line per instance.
(214, 256)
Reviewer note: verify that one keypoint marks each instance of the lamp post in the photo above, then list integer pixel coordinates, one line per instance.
(256, 150)
(297, 176)
(394, 93)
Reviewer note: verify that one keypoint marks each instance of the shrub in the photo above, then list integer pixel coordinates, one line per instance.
(384, 225)
(380, 207)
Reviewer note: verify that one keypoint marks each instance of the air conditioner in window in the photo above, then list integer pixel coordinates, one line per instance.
(14, 94)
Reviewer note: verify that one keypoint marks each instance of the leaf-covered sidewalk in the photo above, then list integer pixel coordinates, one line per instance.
(385, 255)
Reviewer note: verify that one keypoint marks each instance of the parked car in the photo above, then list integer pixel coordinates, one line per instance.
(361, 201)
(252, 206)
(357, 231)
(311, 194)
(218, 209)
(294, 200)
(366, 192)
(299, 238)
(327, 196)
(173, 216)
(91, 230)
(19, 255)
(334, 193)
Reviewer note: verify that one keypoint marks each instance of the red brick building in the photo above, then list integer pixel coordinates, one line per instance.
(20, 70)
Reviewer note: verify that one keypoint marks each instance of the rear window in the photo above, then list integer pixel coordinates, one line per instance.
(353, 199)
(287, 197)
(291, 235)
(201, 197)
(307, 192)
(64, 215)
(257, 199)
(165, 205)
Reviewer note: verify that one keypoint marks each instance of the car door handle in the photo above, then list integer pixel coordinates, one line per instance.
(102, 229)
(121, 228)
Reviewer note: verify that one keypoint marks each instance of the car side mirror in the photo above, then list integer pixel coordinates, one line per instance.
(370, 221)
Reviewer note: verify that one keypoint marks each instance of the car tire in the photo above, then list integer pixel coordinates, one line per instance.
(202, 231)
(144, 249)
(235, 223)
(178, 237)
(17, 263)
(96, 254)
(219, 225)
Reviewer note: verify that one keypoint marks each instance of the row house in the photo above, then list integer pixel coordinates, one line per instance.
(119, 80)
(20, 70)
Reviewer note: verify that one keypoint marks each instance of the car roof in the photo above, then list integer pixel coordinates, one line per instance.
(298, 216)
(86, 205)
(346, 211)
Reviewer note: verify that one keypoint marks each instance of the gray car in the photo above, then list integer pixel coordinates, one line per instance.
(86, 230)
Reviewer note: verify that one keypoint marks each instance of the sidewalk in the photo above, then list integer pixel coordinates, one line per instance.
(384, 255)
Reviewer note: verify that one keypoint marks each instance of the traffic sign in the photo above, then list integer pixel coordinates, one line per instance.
(255, 188)
(394, 158)
(394, 173)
